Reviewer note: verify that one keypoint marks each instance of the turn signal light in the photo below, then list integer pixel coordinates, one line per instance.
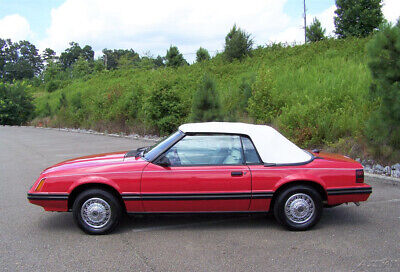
(360, 176)
(40, 185)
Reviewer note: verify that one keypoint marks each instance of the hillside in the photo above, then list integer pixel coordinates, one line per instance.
(315, 94)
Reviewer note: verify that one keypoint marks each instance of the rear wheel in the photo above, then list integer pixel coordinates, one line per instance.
(298, 207)
(96, 211)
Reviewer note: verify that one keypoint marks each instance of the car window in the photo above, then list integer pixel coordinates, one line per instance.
(250, 152)
(206, 150)
(160, 147)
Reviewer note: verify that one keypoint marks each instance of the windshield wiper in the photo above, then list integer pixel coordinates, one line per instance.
(142, 150)
(137, 153)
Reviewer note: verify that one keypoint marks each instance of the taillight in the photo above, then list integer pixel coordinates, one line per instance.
(359, 175)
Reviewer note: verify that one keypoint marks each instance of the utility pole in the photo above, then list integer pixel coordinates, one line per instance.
(305, 23)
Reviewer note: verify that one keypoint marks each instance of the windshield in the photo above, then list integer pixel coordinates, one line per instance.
(152, 153)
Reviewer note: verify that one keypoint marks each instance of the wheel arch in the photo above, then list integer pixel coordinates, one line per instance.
(94, 185)
(317, 186)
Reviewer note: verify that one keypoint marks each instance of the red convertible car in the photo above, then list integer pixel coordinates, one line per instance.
(203, 168)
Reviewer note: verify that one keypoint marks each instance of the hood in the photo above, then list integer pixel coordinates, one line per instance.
(93, 163)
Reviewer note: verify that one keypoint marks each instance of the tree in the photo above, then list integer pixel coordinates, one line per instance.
(315, 32)
(98, 65)
(49, 54)
(202, 55)
(52, 71)
(174, 58)
(72, 54)
(19, 60)
(119, 57)
(87, 53)
(159, 61)
(206, 105)
(146, 62)
(384, 55)
(62, 102)
(81, 68)
(357, 17)
(164, 108)
(16, 107)
(5, 46)
(238, 44)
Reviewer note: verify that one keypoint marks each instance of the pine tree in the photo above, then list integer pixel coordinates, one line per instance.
(238, 44)
(202, 55)
(174, 58)
(384, 55)
(357, 17)
(315, 32)
(206, 105)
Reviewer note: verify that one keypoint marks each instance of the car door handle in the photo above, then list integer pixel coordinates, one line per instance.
(237, 174)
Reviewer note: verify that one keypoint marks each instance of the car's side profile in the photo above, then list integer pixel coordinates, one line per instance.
(205, 167)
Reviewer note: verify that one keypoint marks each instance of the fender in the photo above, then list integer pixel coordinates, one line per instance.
(299, 177)
(93, 179)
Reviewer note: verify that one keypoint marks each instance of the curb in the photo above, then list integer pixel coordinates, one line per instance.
(92, 132)
(386, 179)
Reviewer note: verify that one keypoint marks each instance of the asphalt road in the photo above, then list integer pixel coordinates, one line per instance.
(348, 238)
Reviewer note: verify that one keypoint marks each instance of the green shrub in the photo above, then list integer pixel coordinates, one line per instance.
(315, 94)
(76, 101)
(81, 68)
(47, 110)
(174, 58)
(245, 92)
(315, 32)
(16, 107)
(62, 102)
(164, 109)
(52, 85)
(235, 101)
(202, 55)
(238, 44)
(206, 106)
(384, 54)
(261, 106)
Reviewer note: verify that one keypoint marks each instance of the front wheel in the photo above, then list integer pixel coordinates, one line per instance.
(298, 207)
(96, 211)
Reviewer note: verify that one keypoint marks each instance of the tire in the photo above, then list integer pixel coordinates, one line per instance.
(298, 207)
(97, 211)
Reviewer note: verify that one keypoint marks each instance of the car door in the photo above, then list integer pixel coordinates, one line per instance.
(206, 173)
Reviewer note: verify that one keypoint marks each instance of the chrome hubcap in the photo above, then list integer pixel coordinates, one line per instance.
(96, 212)
(299, 208)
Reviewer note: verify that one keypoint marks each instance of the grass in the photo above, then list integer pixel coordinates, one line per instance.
(315, 94)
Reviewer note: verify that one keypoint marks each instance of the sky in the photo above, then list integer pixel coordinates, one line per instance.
(150, 27)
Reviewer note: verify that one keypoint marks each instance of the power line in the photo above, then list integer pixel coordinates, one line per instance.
(193, 53)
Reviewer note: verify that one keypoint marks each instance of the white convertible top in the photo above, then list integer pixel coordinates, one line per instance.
(272, 146)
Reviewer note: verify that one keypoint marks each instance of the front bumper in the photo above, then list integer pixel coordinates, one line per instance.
(50, 202)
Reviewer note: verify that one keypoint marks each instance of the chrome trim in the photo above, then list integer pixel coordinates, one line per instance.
(96, 212)
(299, 208)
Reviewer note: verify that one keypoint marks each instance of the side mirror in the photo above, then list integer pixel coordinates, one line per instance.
(164, 161)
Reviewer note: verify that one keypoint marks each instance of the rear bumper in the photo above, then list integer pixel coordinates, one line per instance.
(351, 194)
(50, 202)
